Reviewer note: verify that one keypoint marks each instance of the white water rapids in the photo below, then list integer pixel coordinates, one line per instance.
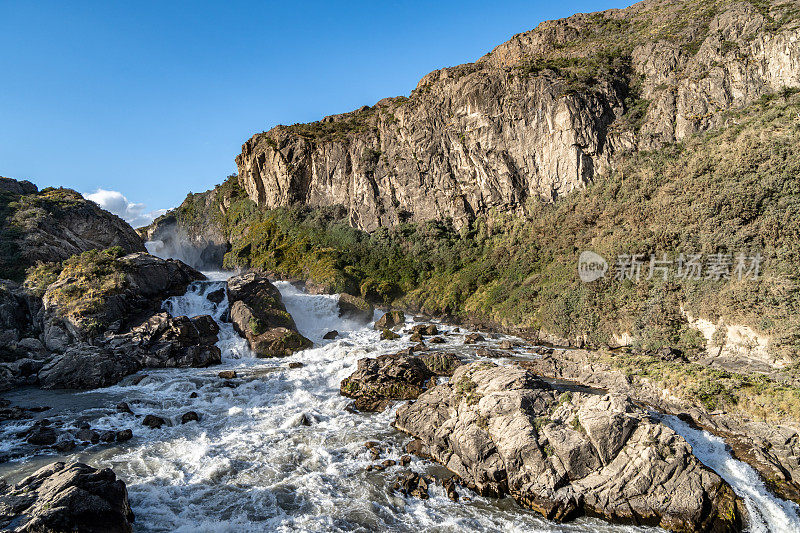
(278, 451)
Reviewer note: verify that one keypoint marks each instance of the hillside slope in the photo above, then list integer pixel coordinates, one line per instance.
(52, 225)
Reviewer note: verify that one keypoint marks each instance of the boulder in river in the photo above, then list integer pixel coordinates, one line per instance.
(505, 432)
(258, 314)
(379, 381)
(64, 498)
(390, 320)
(355, 307)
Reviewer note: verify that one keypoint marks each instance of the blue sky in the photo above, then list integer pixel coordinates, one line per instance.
(151, 100)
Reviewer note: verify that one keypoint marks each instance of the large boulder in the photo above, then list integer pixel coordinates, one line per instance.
(355, 307)
(178, 341)
(503, 431)
(258, 314)
(66, 498)
(86, 366)
(390, 320)
(379, 381)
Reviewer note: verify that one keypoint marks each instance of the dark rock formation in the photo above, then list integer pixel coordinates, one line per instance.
(65, 498)
(258, 314)
(378, 382)
(503, 431)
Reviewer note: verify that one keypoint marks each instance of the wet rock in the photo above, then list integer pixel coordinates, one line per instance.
(505, 432)
(355, 308)
(295, 364)
(178, 342)
(191, 416)
(437, 340)
(412, 484)
(138, 379)
(153, 421)
(486, 352)
(193, 395)
(65, 445)
(507, 344)
(377, 382)
(388, 463)
(473, 338)
(425, 329)
(85, 366)
(389, 335)
(216, 296)
(124, 435)
(405, 460)
(227, 374)
(108, 436)
(40, 435)
(416, 337)
(390, 320)
(449, 486)
(258, 314)
(331, 335)
(87, 435)
(64, 498)
(123, 407)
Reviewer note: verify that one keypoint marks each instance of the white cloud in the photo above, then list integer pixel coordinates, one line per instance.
(116, 202)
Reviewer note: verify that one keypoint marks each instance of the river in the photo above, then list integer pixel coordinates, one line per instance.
(276, 450)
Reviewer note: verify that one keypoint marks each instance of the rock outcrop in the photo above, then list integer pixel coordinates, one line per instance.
(503, 431)
(377, 382)
(258, 314)
(61, 498)
(539, 116)
(771, 449)
(52, 225)
(97, 318)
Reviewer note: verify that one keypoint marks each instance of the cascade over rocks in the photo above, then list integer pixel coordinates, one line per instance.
(258, 314)
(504, 431)
(61, 498)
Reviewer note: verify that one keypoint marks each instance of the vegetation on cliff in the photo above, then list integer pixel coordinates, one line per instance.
(728, 191)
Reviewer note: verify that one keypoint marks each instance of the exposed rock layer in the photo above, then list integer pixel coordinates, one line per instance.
(539, 116)
(503, 431)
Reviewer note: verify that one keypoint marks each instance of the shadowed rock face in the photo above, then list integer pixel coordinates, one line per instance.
(64, 498)
(539, 116)
(506, 432)
(258, 314)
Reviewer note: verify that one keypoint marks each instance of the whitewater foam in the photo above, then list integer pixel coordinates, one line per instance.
(276, 452)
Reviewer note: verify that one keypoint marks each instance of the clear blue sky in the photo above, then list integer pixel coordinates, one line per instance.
(154, 99)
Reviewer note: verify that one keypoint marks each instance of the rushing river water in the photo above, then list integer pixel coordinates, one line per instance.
(278, 451)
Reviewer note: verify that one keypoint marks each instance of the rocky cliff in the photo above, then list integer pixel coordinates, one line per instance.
(52, 225)
(540, 115)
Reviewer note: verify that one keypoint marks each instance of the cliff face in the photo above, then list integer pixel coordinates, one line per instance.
(52, 225)
(539, 116)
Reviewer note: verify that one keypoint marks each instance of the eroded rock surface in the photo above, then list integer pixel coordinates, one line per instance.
(379, 381)
(65, 498)
(503, 431)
